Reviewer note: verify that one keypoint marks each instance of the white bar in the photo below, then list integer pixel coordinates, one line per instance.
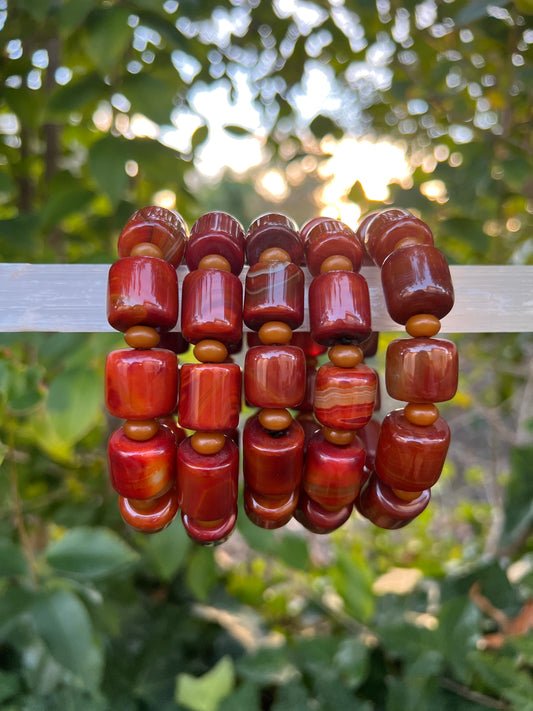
(72, 298)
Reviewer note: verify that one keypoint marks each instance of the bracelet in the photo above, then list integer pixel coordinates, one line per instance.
(333, 455)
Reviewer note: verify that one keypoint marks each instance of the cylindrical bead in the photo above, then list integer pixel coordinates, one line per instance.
(274, 291)
(317, 519)
(163, 227)
(273, 230)
(216, 233)
(153, 519)
(274, 376)
(269, 513)
(310, 347)
(329, 238)
(378, 503)
(344, 397)
(387, 228)
(209, 396)
(369, 436)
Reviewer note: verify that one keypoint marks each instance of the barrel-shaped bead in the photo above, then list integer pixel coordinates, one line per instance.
(329, 238)
(378, 503)
(273, 230)
(344, 397)
(388, 227)
(317, 519)
(216, 233)
(274, 291)
(274, 376)
(153, 517)
(164, 228)
(269, 512)
(209, 396)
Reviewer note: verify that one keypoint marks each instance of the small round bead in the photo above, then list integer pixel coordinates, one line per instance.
(338, 437)
(274, 254)
(210, 351)
(345, 356)
(408, 242)
(423, 414)
(208, 442)
(335, 263)
(214, 261)
(140, 430)
(142, 337)
(146, 249)
(407, 495)
(275, 333)
(274, 420)
(422, 325)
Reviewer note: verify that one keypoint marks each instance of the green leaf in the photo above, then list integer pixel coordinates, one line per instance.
(201, 573)
(166, 552)
(77, 95)
(7, 185)
(519, 498)
(160, 24)
(292, 697)
(107, 37)
(150, 96)
(75, 403)
(107, 160)
(267, 666)
(458, 633)
(237, 130)
(353, 662)
(199, 136)
(73, 12)
(245, 697)
(64, 202)
(205, 693)
(292, 550)
(9, 685)
(90, 553)
(323, 125)
(353, 581)
(12, 559)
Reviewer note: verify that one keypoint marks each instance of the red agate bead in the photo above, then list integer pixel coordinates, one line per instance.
(216, 233)
(422, 370)
(274, 291)
(269, 512)
(344, 397)
(142, 290)
(211, 306)
(339, 308)
(142, 469)
(333, 474)
(153, 516)
(378, 503)
(209, 396)
(162, 227)
(416, 280)
(369, 436)
(273, 230)
(329, 238)
(274, 376)
(388, 227)
(317, 519)
(310, 347)
(410, 457)
(140, 385)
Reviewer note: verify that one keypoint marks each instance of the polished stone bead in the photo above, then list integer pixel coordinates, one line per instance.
(216, 233)
(309, 425)
(140, 385)
(211, 306)
(317, 519)
(274, 376)
(174, 341)
(339, 308)
(329, 238)
(344, 397)
(209, 396)
(142, 291)
(410, 457)
(370, 345)
(422, 370)
(170, 422)
(164, 228)
(269, 513)
(152, 517)
(310, 347)
(378, 503)
(388, 227)
(142, 469)
(333, 474)
(308, 401)
(274, 291)
(308, 226)
(369, 436)
(273, 230)
(417, 280)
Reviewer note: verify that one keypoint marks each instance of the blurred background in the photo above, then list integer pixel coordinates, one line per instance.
(305, 107)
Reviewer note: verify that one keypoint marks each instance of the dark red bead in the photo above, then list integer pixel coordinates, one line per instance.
(163, 227)
(274, 291)
(216, 233)
(344, 397)
(369, 436)
(174, 341)
(211, 306)
(209, 396)
(339, 308)
(316, 519)
(152, 519)
(303, 340)
(310, 426)
(178, 432)
(329, 238)
(370, 345)
(273, 230)
(378, 503)
(274, 376)
(269, 513)
(388, 227)
(142, 291)
(308, 226)
(308, 402)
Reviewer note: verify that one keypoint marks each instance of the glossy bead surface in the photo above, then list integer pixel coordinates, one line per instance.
(317, 519)
(140, 385)
(210, 351)
(310, 347)
(345, 356)
(174, 341)
(422, 325)
(142, 470)
(273, 230)
(216, 233)
(211, 306)
(274, 420)
(142, 337)
(388, 227)
(338, 437)
(410, 457)
(274, 254)
(336, 263)
(423, 414)
(307, 404)
(275, 333)
(140, 430)
(269, 513)
(153, 519)
(339, 308)
(417, 280)
(370, 345)
(214, 261)
(310, 427)
(274, 376)
(378, 503)
(208, 442)
(422, 369)
(330, 238)
(333, 474)
(170, 423)
(209, 396)
(369, 436)
(344, 397)
(142, 291)
(274, 291)
(162, 227)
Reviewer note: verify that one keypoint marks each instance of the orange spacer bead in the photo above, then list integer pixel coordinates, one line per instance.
(208, 442)
(142, 337)
(407, 495)
(210, 351)
(146, 249)
(423, 414)
(140, 430)
(274, 420)
(345, 356)
(335, 263)
(338, 437)
(275, 333)
(422, 325)
(274, 254)
(214, 261)
(407, 242)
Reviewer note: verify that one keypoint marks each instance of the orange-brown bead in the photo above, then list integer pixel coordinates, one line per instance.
(335, 263)
(338, 437)
(274, 420)
(214, 261)
(407, 495)
(345, 356)
(422, 325)
(274, 254)
(210, 351)
(407, 242)
(423, 414)
(140, 430)
(142, 337)
(208, 442)
(275, 333)
(146, 249)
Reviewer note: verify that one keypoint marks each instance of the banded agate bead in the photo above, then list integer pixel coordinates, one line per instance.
(389, 227)
(274, 376)
(209, 396)
(273, 230)
(329, 238)
(162, 227)
(344, 397)
(378, 503)
(154, 516)
(216, 233)
(274, 291)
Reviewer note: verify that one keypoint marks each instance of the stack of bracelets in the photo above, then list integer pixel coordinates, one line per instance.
(178, 448)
